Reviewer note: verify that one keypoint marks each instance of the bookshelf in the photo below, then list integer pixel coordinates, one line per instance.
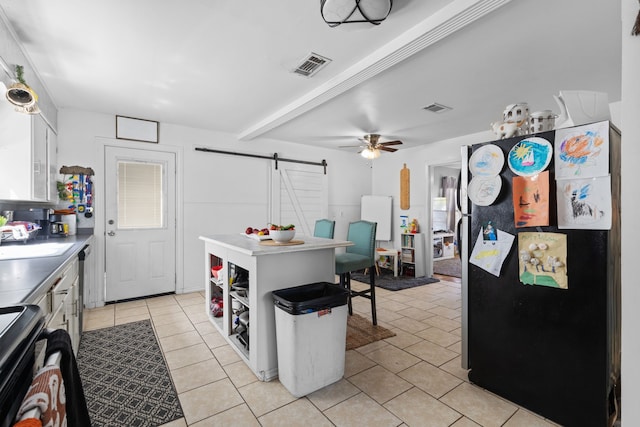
(412, 254)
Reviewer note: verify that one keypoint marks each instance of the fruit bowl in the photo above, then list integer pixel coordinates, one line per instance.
(282, 236)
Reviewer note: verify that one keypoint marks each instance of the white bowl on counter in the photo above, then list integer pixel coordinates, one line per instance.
(282, 236)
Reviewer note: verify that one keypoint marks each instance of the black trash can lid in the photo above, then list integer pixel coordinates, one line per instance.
(310, 298)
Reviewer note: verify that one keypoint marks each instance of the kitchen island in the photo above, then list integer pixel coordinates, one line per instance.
(243, 272)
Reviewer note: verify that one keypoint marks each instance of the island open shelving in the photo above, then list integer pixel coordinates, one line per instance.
(267, 268)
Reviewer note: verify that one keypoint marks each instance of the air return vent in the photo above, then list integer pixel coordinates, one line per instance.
(311, 64)
(437, 108)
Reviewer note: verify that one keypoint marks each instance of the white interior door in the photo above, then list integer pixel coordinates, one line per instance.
(299, 196)
(140, 223)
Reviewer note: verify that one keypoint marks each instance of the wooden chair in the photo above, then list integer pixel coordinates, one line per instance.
(324, 228)
(358, 257)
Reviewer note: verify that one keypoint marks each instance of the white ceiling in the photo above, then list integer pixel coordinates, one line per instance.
(225, 65)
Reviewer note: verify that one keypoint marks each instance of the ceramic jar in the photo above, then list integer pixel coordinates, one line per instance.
(518, 114)
(542, 121)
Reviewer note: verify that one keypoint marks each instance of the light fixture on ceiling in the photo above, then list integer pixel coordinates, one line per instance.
(336, 12)
(370, 153)
(21, 95)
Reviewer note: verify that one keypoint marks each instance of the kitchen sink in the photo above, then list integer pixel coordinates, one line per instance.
(32, 250)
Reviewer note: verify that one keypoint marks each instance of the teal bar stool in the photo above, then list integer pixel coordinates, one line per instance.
(324, 228)
(358, 257)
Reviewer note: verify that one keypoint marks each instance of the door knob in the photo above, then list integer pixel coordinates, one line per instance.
(111, 233)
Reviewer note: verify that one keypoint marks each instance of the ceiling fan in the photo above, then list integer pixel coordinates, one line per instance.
(372, 147)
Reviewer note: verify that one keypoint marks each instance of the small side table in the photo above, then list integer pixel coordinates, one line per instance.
(392, 253)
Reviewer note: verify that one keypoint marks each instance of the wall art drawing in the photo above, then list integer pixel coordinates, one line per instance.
(490, 254)
(530, 156)
(543, 259)
(584, 203)
(488, 160)
(483, 191)
(582, 152)
(531, 200)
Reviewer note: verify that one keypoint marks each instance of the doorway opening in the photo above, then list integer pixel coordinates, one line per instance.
(445, 215)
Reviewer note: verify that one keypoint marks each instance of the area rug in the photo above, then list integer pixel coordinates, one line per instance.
(125, 378)
(361, 331)
(448, 267)
(386, 280)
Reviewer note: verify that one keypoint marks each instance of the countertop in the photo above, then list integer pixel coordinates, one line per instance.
(252, 247)
(24, 280)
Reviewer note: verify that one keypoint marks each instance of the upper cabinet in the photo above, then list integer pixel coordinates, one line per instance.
(39, 160)
(27, 150)
(52, 148)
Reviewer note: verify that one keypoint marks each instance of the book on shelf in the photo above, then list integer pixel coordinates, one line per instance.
(407, 255)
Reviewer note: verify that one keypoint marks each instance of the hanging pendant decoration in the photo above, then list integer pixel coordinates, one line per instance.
(21, 95)
(404, 187)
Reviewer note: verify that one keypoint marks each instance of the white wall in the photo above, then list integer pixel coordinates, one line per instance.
(386, 180)
(220, 193)
(630, 207)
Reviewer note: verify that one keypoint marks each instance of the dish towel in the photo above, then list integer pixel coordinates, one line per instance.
(76, 405)
(46, 394)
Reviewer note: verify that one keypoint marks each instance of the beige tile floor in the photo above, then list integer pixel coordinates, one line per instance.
(411, 379)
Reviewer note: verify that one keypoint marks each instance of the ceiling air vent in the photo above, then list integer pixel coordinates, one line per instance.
(437, 108)
(311, 65)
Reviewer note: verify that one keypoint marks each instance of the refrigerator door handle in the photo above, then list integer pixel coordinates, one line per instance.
(459, 184)
(459, 235)
(463, 242)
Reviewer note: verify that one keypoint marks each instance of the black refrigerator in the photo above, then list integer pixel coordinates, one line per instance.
(552, 350)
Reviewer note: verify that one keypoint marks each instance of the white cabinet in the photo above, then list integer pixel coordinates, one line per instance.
(60, 303)
(443, 246)
(27, 160)
(412, 254)
(52, 147)
(39, 160)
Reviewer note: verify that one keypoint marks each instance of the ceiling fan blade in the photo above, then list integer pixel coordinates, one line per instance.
(391, 143)
(391, 150)
(351, 146)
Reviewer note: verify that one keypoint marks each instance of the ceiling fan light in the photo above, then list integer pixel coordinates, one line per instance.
(336, 12)
(370, 153)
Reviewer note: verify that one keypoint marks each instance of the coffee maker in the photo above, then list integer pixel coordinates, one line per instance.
(50, 225)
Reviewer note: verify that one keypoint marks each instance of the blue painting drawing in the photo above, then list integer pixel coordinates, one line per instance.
(530, 156)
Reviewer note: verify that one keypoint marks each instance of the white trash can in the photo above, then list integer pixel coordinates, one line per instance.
(311, 333)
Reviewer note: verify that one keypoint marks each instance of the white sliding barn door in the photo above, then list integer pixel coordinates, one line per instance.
(299, 195)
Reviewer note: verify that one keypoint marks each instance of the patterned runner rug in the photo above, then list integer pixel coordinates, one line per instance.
(125, 378)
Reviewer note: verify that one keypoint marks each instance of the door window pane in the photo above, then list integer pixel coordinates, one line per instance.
(140, 195)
